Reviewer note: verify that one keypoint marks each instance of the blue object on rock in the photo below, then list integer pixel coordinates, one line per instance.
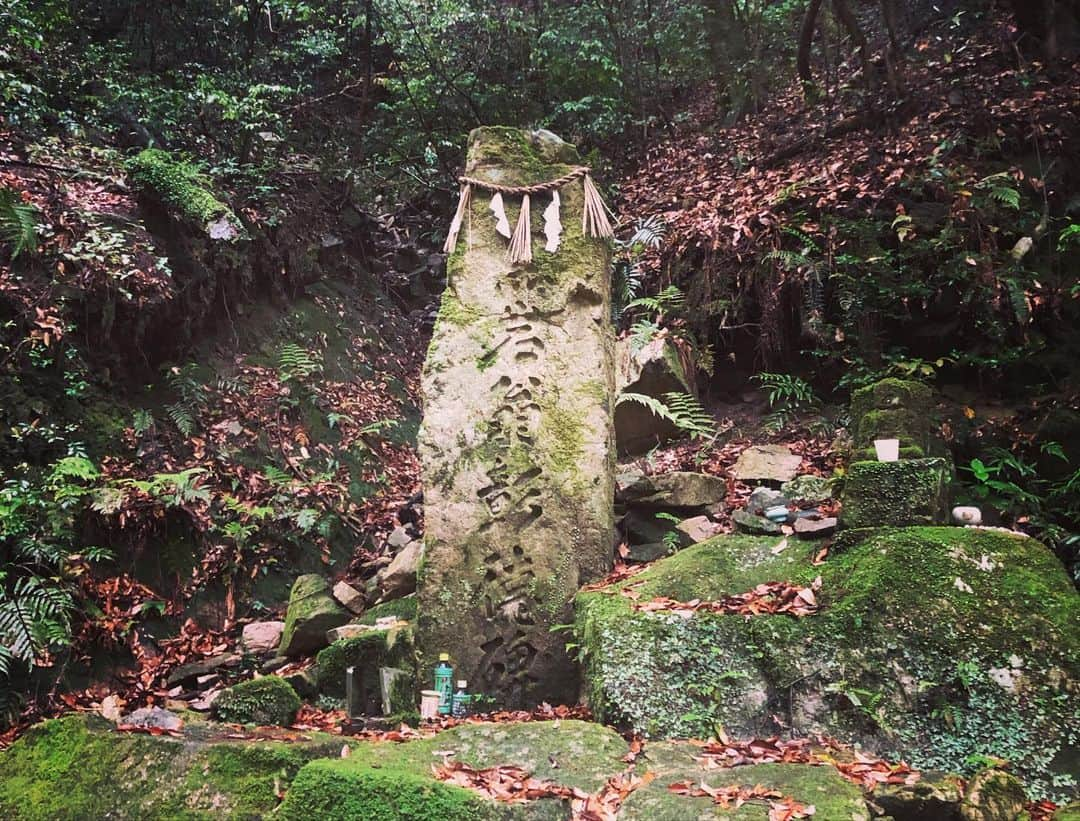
(777, 513)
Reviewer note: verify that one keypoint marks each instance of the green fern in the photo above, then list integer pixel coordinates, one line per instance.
(297, 363)
(184, 412)
(1001, 188)
(681, 409)
(669, 300)
(18, 222)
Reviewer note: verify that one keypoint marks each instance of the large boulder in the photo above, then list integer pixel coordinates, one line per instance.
(683, 490)
(77, 767)
(312, 611)
(653, 370)
(897, 494)
(938, 644)
(769, 463)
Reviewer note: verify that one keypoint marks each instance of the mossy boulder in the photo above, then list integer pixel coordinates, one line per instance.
(993, 795)
(312, 611)
(383, 780)
(895, 409)
(934, 644)
(180, 187)
(833, 798)
(368, 652)
(897, 494)
(78, 767)
(264, 701)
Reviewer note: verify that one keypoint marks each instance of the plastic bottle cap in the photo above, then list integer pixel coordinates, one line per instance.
(462, 685)
(444, 657)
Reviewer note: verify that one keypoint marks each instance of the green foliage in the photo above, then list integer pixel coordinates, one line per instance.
(296, 363)
(18, 222)
(626, 265)
(789, 397)
(681, 409)
(184, 412)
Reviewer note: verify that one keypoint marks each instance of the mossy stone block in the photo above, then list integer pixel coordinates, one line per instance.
(367, 652)
(896, 494)
(264, 701)
(312, 611)
(893, 409)
(181, 189)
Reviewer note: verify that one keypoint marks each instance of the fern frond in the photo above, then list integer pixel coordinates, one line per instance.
(18, 222)
(690, 416)
(650, 403)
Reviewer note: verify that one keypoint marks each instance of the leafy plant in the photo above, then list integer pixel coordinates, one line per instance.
(681, 409)
(18, 222)
(789, 397)
(296, 363)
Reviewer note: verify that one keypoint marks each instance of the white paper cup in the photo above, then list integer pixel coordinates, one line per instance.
(888, 450)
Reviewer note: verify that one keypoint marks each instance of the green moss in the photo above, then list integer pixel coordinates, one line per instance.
(311, 612)
(264, 701)
(367, 652)
(907, 492)
(925, 654)
(452, 310)
(403, 609)
(520, 160)
(77, 767)
(561, 438)
(338, 791)
(179, 186)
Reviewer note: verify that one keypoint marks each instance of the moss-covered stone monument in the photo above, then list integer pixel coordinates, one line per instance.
(517, 442)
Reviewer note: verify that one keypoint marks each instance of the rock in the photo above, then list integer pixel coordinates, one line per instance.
(153, 718)
(807, 528)
(651, 370)
(754, 525)
(305, 682)
(966, 515)
(110, 708)
(399, 537)
(516, 446)
(349, 597)
(764, 497)
(896, 494)
(93, 772)
(698, 528)
(312, 611)
(993, 795)
(646, 552)
(397, 688)
(265, 701)
(272, 664)
(367, 652)
(934, 796)
(894, 409)
(399, 577)
(261, 636)
(643, 526)
(189, 673)
(772, 463)
(894, 617)
(346, 631)
(631, 485)
(683, 490)
(808, 489)
(205, 702)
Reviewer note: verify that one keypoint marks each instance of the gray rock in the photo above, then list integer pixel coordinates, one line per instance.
(261, 636)
(698, 528)
(773, 463)
(934, 795)
(398, 579)
(346, 631)
(153, 717)
(648, 552)
(399, 537)
(807, 528)
(683, 489)
(764, 497)
(349, 597)
(189, 673)
(755, 525)
(312, 611)
(631, 485)
(272, 664)
(305, 682)
(807, 488)
(643, 526)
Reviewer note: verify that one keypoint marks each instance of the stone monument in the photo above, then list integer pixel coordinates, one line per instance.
(517, 439)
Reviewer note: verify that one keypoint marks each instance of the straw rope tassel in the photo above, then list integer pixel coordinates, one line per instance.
(464, 202)
(520, 252)
(594, 216)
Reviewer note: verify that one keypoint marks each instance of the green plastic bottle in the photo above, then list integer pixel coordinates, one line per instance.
(444, 683)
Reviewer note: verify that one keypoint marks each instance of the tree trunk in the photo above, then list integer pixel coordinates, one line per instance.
(806, 40)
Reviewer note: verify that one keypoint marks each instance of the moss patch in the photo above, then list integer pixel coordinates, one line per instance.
(180, 188)
(940, 671)
(896, 494)
(367, 653)
(264, 701)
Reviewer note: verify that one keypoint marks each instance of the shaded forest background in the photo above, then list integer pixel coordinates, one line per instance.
(816, 194)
